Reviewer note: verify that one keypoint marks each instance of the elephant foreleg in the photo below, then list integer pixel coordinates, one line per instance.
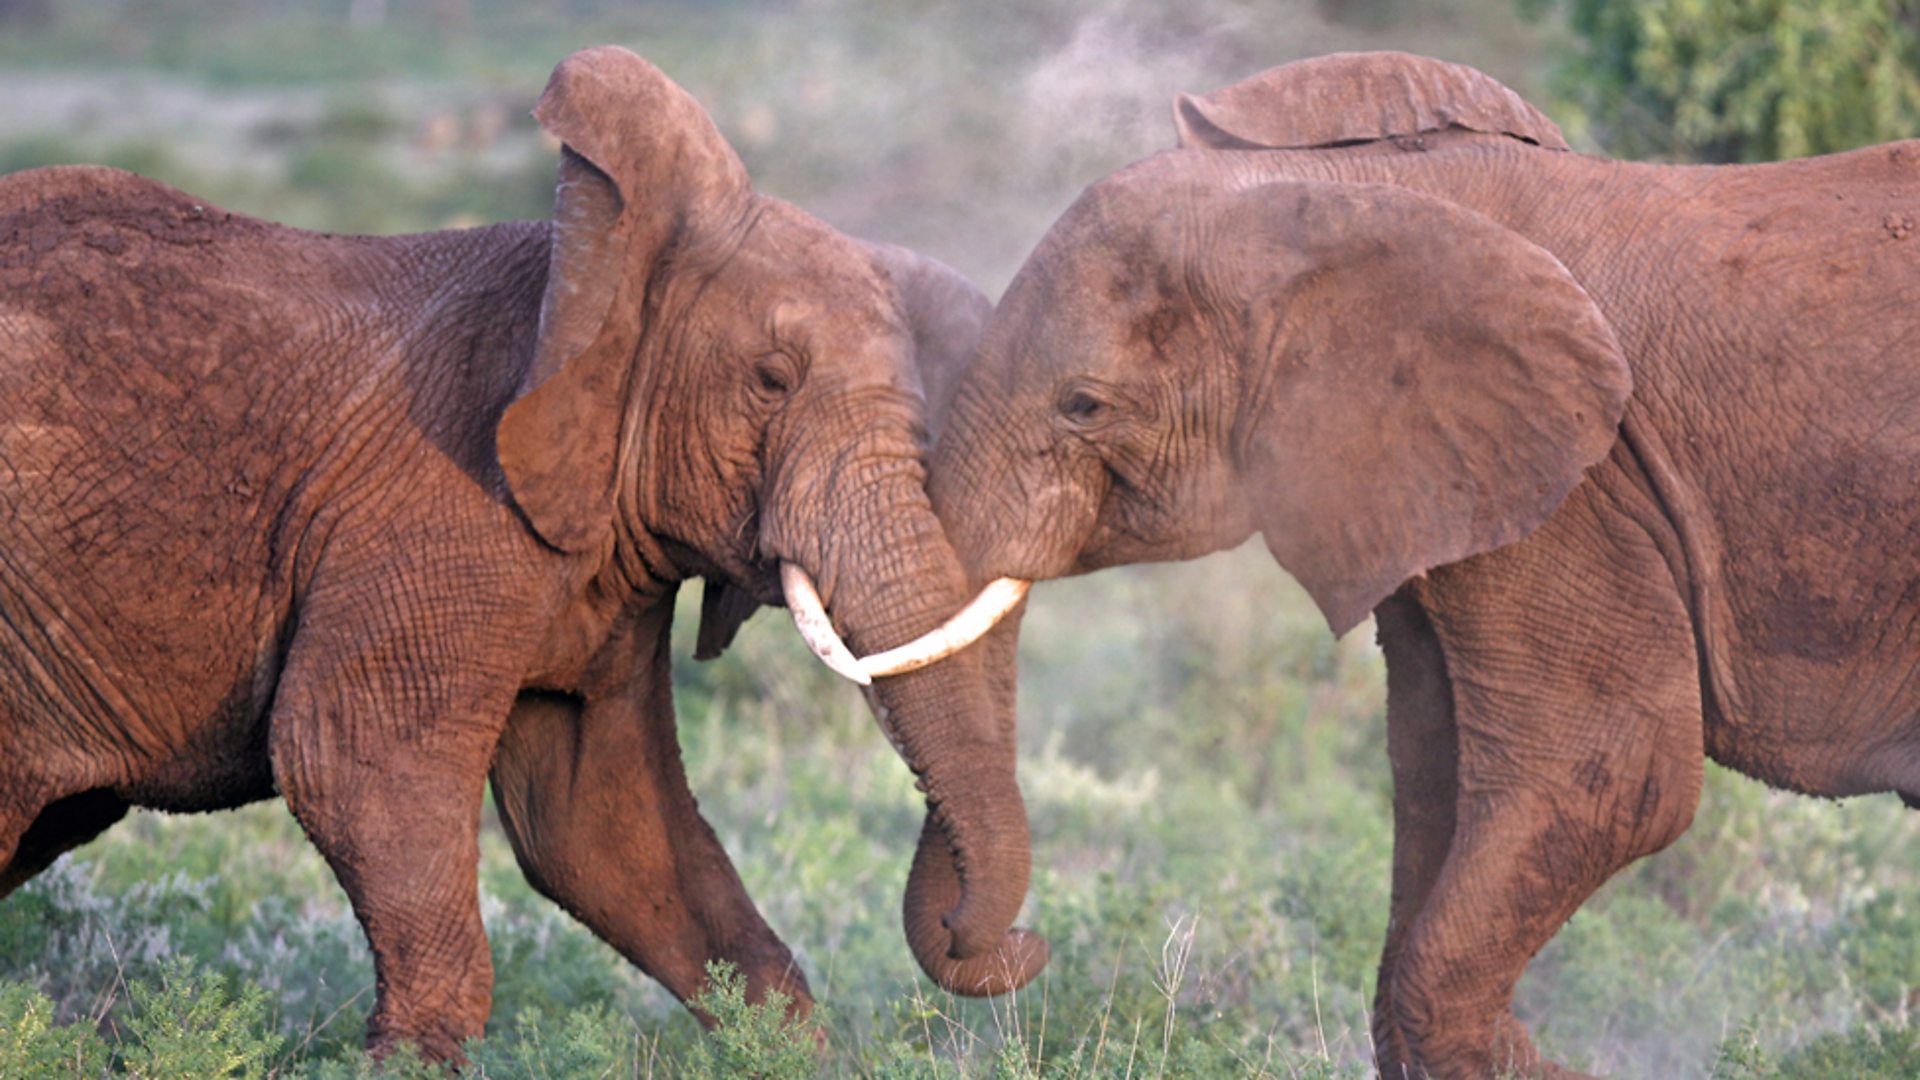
(595, 801)
(383, 725)
(1575, 697)
(1423, 749)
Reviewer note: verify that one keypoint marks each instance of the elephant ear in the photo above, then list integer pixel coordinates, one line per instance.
(1356, 97)
(641, 166)
(947, 312)
(1422, 384)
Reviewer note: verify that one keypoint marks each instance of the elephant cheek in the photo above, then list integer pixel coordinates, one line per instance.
(1030, 526)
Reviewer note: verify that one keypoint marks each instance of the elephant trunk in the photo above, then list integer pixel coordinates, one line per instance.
(932, 886)
(889, 576)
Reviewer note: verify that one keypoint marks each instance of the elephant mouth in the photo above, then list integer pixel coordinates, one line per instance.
(966, 626)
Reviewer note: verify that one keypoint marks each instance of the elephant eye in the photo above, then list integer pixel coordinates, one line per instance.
(775, 374)
(1081, 407)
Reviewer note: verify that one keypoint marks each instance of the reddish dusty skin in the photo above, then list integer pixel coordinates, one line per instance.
(1620, 456)
(363, 521)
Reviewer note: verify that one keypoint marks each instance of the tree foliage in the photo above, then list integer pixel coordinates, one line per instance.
(1738, 80)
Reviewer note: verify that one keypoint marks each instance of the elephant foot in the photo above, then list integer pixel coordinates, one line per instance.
(1508, 1053)
(1515, 1055)
(437, 1044)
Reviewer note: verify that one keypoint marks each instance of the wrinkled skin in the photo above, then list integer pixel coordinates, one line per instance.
(364, 521)
(1620, 456)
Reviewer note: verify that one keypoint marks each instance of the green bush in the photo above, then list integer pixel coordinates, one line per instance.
(404, 1063)
(584, 1044)
(191, 1024)
(749, 1041)
(1868, 1052)
(33, 1046)
(1740, 80)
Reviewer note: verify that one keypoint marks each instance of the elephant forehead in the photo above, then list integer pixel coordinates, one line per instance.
(1103, 270)
(1060, 335)
(825, 318)
(1126, 241)
(784, 236)
(805, 277)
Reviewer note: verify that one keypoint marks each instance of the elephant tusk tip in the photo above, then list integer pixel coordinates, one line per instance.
(848, 668)
(966, 626)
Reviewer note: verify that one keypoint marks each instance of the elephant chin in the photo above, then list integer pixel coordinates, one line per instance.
(932, 898)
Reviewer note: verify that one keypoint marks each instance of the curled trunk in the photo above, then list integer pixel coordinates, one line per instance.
(932, 886)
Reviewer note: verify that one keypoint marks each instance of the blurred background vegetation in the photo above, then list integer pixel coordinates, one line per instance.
(1737, 80)
(1205, 766)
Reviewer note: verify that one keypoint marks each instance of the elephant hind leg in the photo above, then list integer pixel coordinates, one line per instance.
(595, 801)
(58, 828)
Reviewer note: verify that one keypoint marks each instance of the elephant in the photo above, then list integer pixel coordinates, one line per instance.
(365, 522)
(1618, 455)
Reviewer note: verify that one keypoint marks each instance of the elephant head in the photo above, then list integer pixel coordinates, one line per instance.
(721, 385)
(1221, 340)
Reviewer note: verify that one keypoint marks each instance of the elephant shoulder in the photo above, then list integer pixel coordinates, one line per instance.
(1356, 97)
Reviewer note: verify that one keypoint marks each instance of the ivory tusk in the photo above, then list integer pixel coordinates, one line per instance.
(810, 618)
(979, 616)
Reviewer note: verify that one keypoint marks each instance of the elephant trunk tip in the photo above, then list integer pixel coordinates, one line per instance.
(1013, 962)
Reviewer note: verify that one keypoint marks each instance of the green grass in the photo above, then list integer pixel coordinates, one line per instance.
(1205, 767)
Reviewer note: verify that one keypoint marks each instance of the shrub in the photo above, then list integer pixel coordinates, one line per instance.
(586, 1043)
(192, 1025)
(31, 1045)
(1868, 1052)
(752, 1042)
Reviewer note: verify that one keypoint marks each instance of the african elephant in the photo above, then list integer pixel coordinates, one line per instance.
(366, 520)
(1620, 456)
